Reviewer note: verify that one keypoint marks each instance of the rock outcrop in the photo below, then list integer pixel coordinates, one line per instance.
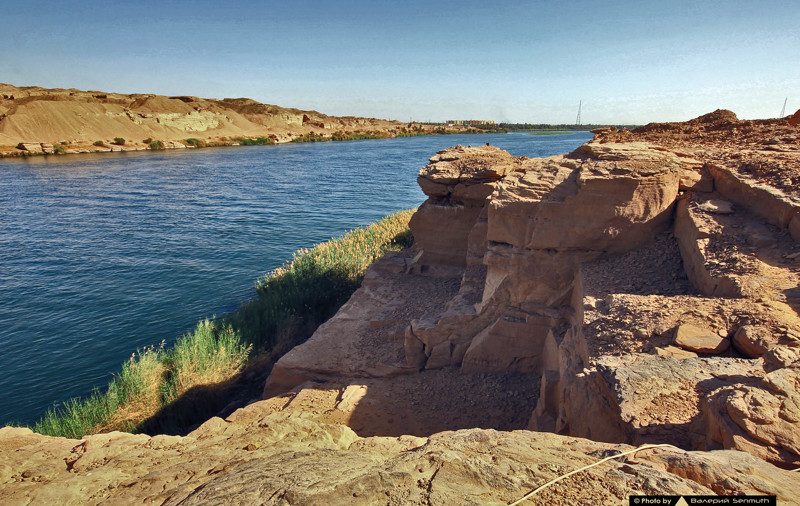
(294, 449)
(664, 255)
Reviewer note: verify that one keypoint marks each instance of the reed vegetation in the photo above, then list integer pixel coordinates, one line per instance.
(291, 302)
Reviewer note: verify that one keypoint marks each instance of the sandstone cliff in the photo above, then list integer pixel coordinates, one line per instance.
(642, 289)
(32, 116)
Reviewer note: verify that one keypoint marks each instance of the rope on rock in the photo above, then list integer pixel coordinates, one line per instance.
(612, 457)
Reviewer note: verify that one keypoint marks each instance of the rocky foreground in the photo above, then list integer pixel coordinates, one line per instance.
(33, 120)
(642, 289)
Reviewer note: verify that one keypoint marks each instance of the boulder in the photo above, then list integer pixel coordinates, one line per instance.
(753, 341)
(700, 340)
(30, 147)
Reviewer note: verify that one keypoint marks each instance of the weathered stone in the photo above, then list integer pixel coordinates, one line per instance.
(762, 200)
(674, 352)
(700, 340)
(753, 341)
(30, 147)
(794, 119)
(696, 180)
(761, 419)
(281, 448)
(458, 181)
(716, 206)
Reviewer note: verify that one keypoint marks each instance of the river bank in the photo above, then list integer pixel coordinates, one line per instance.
(121, 145)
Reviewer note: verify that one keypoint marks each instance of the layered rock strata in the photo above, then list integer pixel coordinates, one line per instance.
(660, 255)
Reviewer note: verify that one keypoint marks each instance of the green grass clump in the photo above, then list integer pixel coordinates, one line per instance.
(133, 390)
(198, 143)
(156, 145)
(99, 143)
(119, 141)
(170, 390)
(211, 354)
(244, 141)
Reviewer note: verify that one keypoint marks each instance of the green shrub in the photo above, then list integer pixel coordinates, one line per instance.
(156, 145)
(198, 143)
(119, 141)
(99, 143)
(244, 141)
(147, 141)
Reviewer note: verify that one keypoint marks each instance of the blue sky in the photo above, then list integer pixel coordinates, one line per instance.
(629, 62)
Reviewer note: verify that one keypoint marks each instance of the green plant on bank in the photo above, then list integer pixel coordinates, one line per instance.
(156, 145)
(60, 148)
(119, 141)
(311, 137)
(147, 141)
(198, 143)
(291, 302)
(244, 141)
(99, 143)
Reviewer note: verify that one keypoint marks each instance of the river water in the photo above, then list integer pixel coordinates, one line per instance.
(103, 254)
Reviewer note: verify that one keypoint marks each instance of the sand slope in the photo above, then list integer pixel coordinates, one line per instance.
(34, 114)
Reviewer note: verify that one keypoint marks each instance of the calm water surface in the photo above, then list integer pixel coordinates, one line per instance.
(103, 254)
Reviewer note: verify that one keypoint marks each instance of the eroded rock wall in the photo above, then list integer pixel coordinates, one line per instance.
(637, 281)
(530, 223)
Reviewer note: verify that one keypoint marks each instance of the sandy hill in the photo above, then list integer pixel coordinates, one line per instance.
(74, 117)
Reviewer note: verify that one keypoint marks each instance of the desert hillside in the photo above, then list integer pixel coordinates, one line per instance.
(77, 119)
(553, 313)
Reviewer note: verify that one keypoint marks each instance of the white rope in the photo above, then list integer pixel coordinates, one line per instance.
(612, 457)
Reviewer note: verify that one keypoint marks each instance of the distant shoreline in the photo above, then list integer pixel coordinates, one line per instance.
(74, 148)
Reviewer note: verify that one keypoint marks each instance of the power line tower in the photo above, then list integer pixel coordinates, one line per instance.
(578, 119)
(783, 109)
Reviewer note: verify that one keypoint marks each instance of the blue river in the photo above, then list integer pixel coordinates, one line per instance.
(104, 254)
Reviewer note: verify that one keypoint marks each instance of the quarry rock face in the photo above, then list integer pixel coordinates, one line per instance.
(525, 237)
(663, 254)
(644, 289)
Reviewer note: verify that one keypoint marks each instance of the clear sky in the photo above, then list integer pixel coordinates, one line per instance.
(523, 61)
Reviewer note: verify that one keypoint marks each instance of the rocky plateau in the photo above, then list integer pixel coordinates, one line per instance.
(643, 289)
